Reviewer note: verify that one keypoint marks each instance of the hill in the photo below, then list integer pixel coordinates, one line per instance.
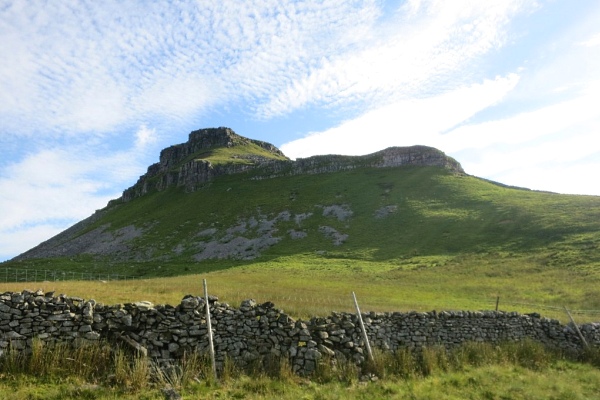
(221, 200)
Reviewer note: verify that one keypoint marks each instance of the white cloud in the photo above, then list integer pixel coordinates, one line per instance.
(428, 44)
(145, 136)
(564, 164)
(49, 184)
(405, 122)
(527, 126)
(94, 72)
(593, 41)
(574, 179)
(553, 148)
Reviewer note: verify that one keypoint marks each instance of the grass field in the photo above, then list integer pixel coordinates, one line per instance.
(316, 285)
(568, 381)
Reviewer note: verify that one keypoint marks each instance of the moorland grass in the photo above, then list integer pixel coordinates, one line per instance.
(456, 242)
(521, 370)
(312, 285)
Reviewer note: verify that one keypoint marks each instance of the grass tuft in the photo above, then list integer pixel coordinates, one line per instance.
(97, 371)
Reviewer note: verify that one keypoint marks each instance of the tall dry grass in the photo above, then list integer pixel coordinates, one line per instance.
(117, 367)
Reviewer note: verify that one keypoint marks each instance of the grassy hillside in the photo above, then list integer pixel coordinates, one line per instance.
(240, 154)
(412, 238)
(417, 238)
(427, 213)
(433, 213)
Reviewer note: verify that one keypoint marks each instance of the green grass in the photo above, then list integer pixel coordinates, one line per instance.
(308, 286)
(523, 370)
(439, 215)
(236, 154)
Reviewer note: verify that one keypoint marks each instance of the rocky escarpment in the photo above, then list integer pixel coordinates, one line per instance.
(388, 158)
(180, 166)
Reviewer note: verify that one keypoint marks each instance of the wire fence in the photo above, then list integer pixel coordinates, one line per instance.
(44, 275)
(370, 303)
(552, 308)
(302, 301)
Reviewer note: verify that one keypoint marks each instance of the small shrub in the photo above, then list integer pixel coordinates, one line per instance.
(230, 370)
(379, 365)
(431, 360)
(474, 354)
(90, 361)
(591, 355)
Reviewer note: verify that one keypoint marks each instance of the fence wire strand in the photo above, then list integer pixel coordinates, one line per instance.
(17, 275)
(34, 275)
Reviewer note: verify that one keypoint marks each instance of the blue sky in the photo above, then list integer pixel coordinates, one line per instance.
(91, 91)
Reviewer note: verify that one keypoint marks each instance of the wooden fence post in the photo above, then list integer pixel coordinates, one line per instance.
(585, 343)
(211, 346)
(497, 301)
(362, 327)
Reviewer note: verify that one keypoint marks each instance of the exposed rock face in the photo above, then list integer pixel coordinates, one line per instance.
(388, 158)
(174, 168)
(100, 241)
(246, 240)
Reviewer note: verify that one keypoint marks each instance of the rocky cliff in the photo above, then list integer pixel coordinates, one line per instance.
(390, 157)
(189, 164)
(183, 165)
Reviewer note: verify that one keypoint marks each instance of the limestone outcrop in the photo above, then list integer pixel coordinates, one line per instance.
(179, 167)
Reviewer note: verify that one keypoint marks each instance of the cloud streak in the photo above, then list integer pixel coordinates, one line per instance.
(429, 44)
(407, 122)
(107, 64)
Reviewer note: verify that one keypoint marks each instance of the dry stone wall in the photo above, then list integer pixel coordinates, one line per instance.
(254, 331)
